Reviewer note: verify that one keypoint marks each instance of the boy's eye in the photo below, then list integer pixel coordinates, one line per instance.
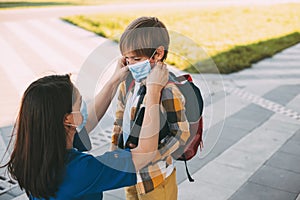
(132, 59)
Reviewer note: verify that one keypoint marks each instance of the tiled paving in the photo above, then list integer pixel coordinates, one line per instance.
(278, 178)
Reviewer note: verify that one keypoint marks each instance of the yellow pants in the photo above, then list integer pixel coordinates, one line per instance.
(167, 190)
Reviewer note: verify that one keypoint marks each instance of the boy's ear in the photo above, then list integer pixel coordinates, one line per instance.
(160, 52)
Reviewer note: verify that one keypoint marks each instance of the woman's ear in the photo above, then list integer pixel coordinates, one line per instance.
(68, 119)
(160, 52)
(68, 123)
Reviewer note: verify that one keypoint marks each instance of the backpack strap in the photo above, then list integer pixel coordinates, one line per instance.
(180, 79)
(187, 171)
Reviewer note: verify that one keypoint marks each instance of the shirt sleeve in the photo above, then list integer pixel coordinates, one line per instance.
(173, 103)
(111, 170)
(117, 128)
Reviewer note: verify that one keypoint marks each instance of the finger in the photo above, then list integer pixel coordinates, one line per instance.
(125, 68)
(162, 65)
(123, 59)
(159, 64)
(119, 65)
(158, 69)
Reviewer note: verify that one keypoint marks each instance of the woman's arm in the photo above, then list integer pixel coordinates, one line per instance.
(98, 107)
(148, 139)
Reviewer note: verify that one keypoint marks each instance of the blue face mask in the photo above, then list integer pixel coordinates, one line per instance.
(84, 113)
(141, 69)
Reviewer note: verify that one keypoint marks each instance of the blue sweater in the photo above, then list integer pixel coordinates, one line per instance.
(86, 176)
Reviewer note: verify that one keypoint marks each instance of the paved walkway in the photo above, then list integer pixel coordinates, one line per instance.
(46, 12)
(256, 156)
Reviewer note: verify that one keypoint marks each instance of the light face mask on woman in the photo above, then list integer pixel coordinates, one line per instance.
(141, 69)
(84, 113)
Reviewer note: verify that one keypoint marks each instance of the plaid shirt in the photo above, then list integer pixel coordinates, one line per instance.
(173, 104)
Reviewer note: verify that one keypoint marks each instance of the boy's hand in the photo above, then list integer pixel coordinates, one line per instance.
(158, 76)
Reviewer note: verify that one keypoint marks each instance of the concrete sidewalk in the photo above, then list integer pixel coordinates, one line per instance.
(46, 12)
(256, 155)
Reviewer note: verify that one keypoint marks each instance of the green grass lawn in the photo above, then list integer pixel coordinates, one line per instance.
(234, 37)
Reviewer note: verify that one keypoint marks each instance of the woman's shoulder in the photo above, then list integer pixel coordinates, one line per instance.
(75, 158)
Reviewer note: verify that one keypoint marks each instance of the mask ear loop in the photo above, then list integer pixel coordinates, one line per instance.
(73, 125)
(152, 56)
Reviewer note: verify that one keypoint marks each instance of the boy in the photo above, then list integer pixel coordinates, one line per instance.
(144, 43)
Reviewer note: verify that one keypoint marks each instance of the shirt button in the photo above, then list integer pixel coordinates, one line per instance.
(116, 155)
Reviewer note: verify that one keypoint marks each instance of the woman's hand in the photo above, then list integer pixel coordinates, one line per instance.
(158, 77)
(121, 71)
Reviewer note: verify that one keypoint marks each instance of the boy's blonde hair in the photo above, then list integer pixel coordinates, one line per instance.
(143, 36)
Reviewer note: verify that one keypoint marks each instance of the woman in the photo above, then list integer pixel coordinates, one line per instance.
(44, 161)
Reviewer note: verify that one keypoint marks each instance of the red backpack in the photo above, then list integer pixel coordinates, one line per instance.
(193, 111)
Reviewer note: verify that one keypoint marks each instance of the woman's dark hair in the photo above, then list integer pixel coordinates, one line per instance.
(143, 36)
(39, 156)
